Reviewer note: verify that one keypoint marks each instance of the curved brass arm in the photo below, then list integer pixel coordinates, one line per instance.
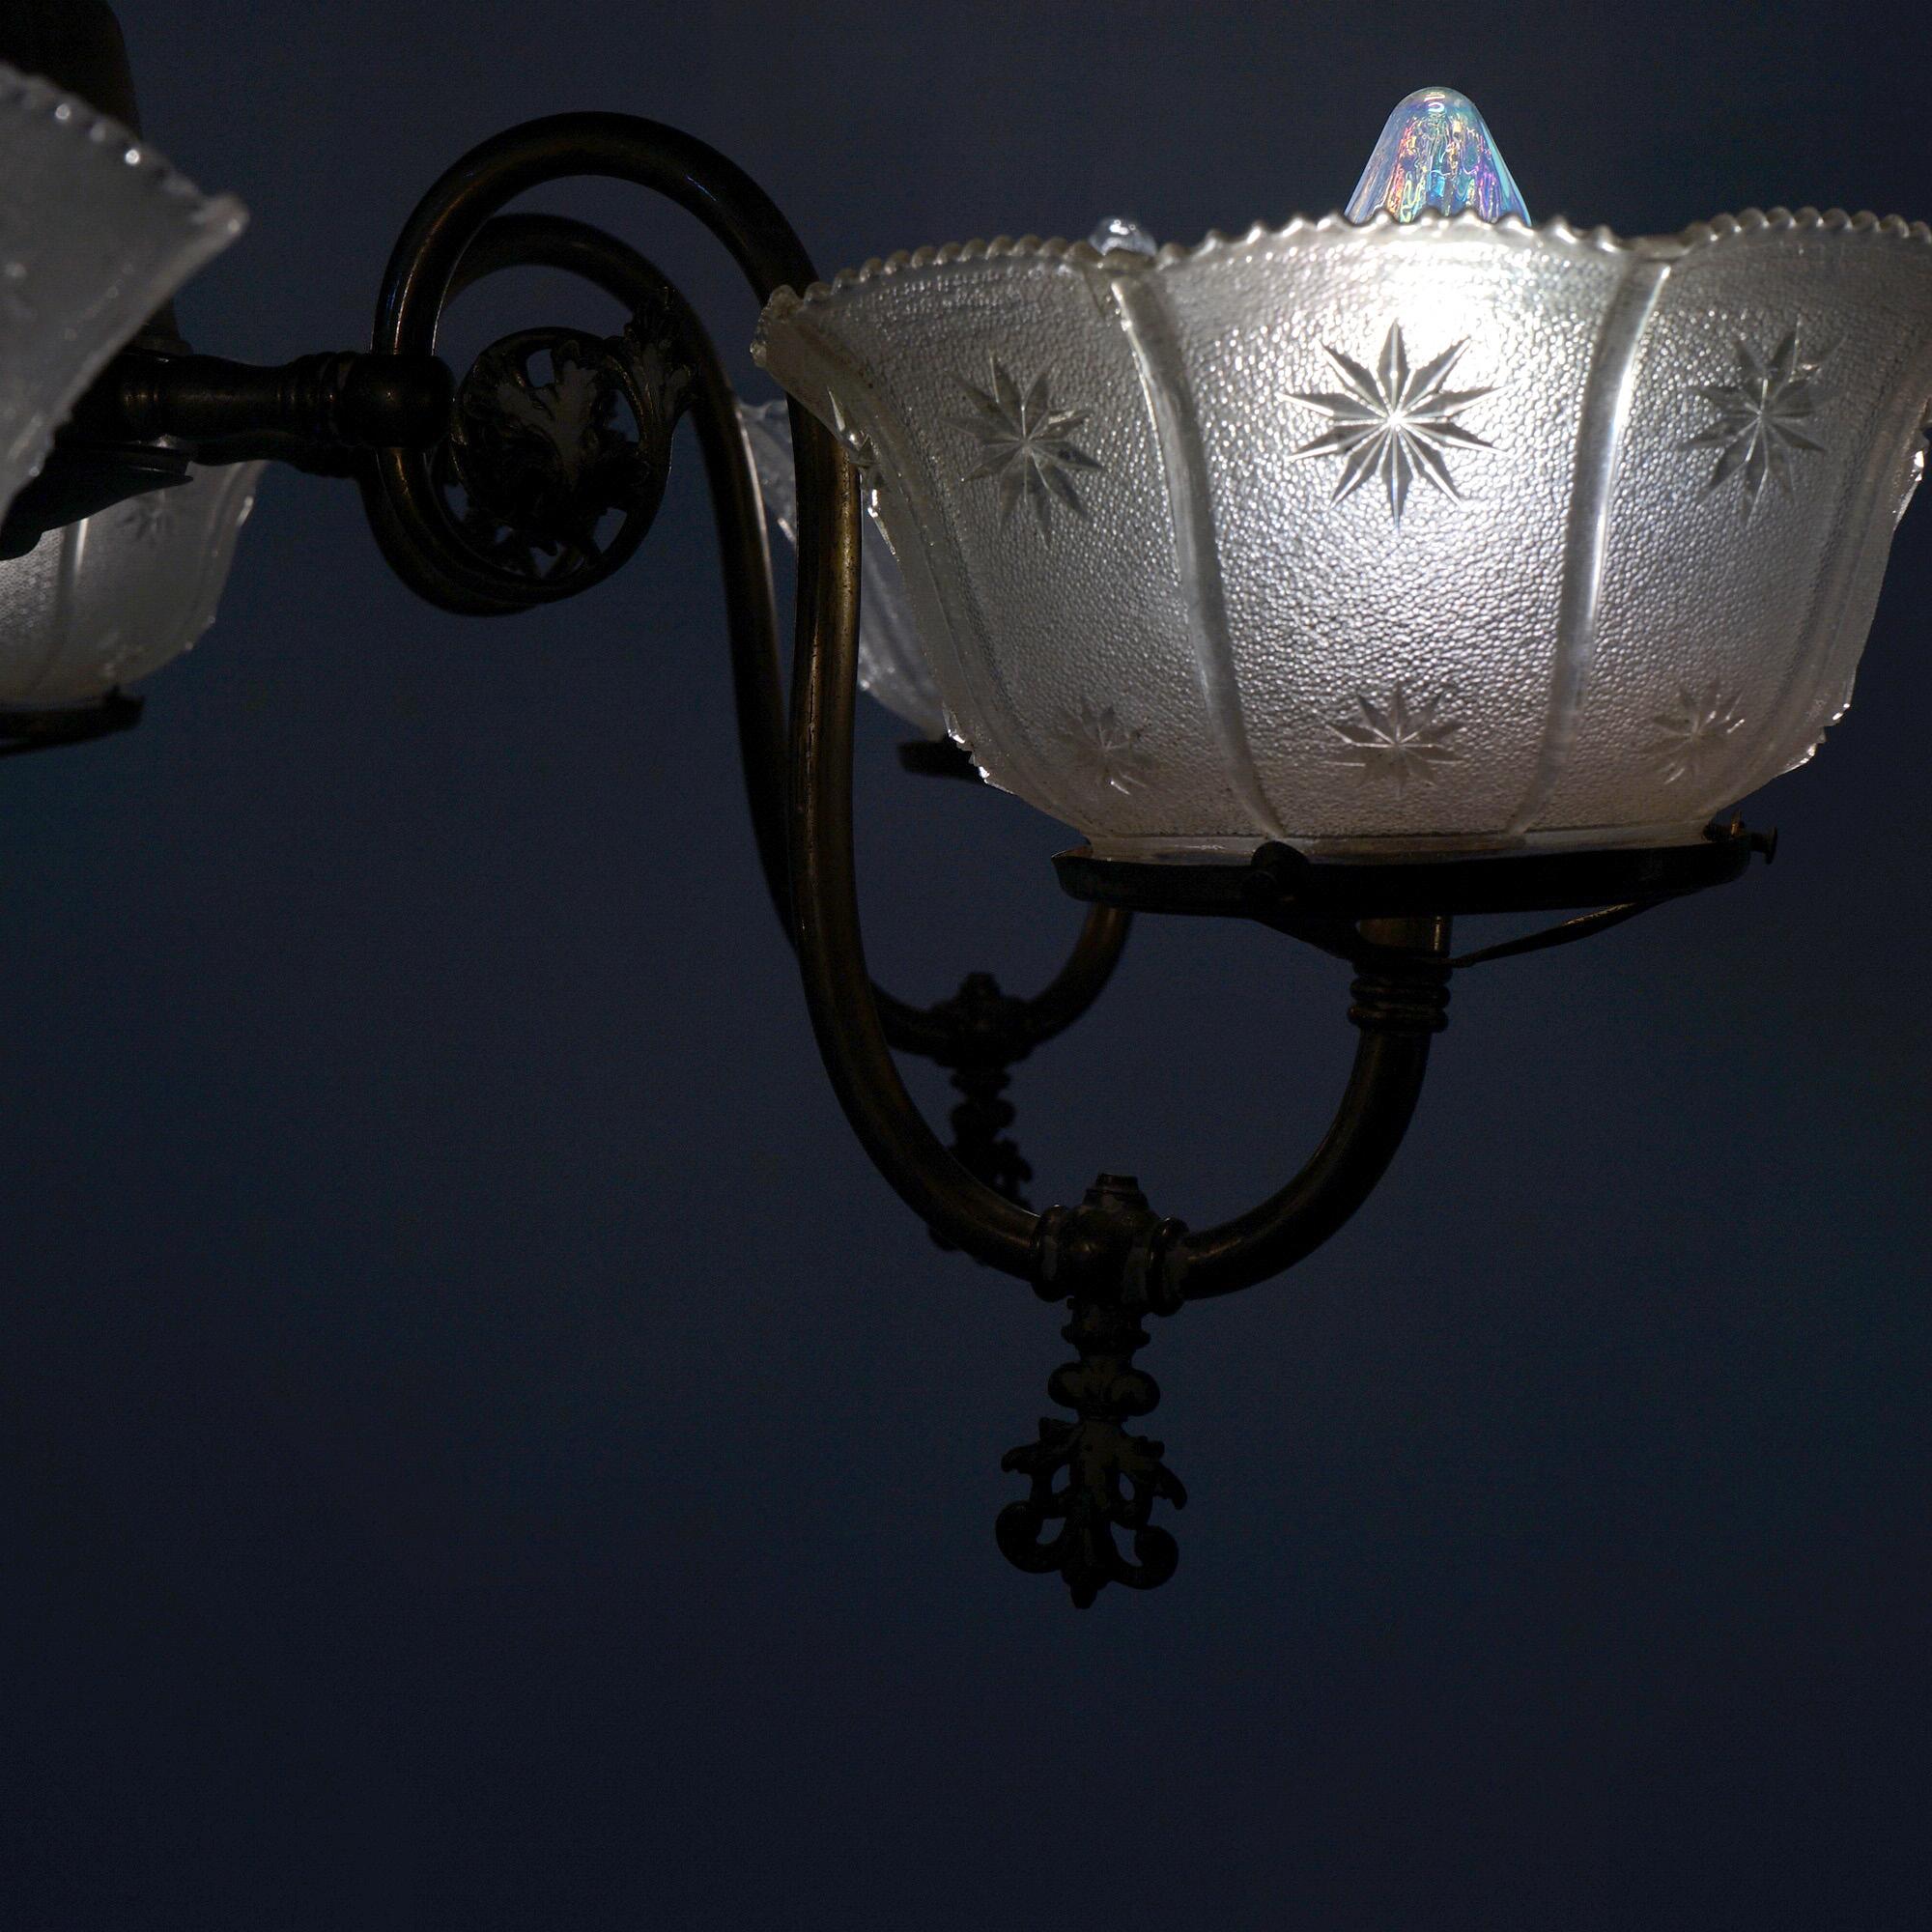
(831, 950)
(623, 273)
(422, 271)
(1376, 1106)
(629, 278)
(1079, 982)
(1399, 1011)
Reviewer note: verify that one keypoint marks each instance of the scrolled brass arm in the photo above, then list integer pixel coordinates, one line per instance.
(986, 1041)
(455, 235)
(852, 1040)
(430, 260)
(757, 684)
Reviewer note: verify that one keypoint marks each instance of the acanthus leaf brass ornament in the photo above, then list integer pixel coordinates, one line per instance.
(543, 462)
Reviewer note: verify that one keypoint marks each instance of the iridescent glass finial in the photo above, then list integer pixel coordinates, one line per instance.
(1435, 152)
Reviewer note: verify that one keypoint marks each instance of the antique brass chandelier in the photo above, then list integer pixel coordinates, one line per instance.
(1355, 578)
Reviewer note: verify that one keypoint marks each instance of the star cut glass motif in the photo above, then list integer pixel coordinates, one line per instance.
(115, 655)
(1691, 733)
(148, 517)
(1026, 446)
(1759, 420)
(1398, 740)
(1106, 750)
(1393, 422)
(15, 308)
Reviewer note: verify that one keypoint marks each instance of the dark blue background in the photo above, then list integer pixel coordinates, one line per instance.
(484, 1451)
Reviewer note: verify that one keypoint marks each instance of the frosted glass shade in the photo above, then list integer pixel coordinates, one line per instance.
(105, 601)
(96, 233)
(892, 667)
(1437, 536)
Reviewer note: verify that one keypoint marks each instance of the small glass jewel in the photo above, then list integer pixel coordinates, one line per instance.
(1435, 154)
(1122, 231)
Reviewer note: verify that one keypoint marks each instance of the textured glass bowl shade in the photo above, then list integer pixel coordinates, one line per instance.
(96, 233)
(106, 601)
(892, 667)
(1441, 536)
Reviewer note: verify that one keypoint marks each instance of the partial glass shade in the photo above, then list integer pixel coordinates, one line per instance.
(892, 662)
(1412, 537)
(1435, 154)
(96, 232)
(892, 667)
(103, 601)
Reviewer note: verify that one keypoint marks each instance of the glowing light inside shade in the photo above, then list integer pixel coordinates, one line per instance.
(1435, 152)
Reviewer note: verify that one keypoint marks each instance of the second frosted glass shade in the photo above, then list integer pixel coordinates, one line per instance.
(1439, 536)
(102, 602)
(96, 233)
